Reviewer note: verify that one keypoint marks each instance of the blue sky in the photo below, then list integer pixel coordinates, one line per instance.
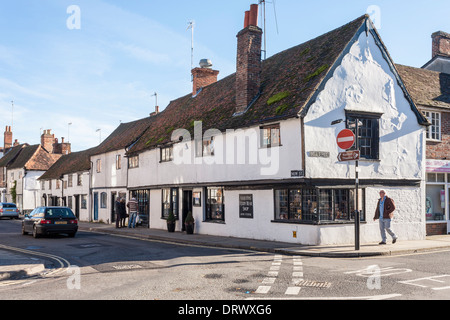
(106, 71)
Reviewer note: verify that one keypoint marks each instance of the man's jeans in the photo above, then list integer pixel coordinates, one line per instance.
(132, 220)
(385, 225)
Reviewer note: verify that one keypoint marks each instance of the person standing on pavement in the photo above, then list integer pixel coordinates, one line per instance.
(385, 213)
(118, 213)
(123, 212)
(133, 207)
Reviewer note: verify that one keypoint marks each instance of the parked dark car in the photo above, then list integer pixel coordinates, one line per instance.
(50, 220)
(9, 210)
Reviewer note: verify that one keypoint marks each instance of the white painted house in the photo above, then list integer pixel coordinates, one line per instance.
(109, 172)
(67, 183)
(254, 155)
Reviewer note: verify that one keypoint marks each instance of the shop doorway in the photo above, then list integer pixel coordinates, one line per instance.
(113, 206)
(448, 212)
(187, 206)
(95, 206)
(77, 206)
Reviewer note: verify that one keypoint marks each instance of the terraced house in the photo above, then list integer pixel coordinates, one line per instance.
(22, 165)
(67, 183)
(254, 155)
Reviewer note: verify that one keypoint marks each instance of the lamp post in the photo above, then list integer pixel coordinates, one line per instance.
(357, 212)
(100, 135)
(68, 131)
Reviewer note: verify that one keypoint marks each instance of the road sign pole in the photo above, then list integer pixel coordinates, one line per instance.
(357, 214)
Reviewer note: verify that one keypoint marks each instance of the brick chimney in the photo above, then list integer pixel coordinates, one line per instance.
(155, 112)
(203, 76)
(8, 138)
(441, 44)
(248, 65)
(47, 140)
(61, 148)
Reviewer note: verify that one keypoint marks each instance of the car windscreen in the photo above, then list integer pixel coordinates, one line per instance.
(58, 213)
(8, 205)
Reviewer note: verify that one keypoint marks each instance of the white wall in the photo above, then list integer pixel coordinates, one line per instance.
(364, 82)
(109, 175)
(260, 163)
(31, 187)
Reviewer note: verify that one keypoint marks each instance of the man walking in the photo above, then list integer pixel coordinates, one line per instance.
(133, 207)
(385, 212)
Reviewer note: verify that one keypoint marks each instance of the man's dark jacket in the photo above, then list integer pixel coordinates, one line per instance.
(389, 208)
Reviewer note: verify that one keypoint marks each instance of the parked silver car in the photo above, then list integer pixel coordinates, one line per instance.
(9, 210)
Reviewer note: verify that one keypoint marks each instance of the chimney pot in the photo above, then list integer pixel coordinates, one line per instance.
(253, 15)
(247, 19)
(7, 139)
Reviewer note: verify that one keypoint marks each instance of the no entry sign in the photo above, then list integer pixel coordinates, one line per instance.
(346, 139)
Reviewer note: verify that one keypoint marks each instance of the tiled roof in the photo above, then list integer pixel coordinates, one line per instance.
(33, 158)
(70, 163)
(427, 88)
(125, 135)
(11, 155)
(288, 80)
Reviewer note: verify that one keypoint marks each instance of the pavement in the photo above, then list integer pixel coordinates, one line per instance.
(432, 243)
(15, 266)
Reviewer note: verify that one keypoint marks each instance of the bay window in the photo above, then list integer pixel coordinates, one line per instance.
(316, 205)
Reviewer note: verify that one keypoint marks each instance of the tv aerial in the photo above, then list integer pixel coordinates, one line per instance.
(262, 4)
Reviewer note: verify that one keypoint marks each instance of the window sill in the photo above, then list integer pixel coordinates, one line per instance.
(214, 221)
(316, 223)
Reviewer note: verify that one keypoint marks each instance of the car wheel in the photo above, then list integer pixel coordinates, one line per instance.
(23, 230)
(35, 233)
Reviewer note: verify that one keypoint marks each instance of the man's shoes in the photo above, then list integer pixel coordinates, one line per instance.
(382, 242)
(394, 241)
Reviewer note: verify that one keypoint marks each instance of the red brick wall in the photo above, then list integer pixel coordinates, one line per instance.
(441, 150)
(434, 229)
(248, 69)
(441, 44)
(203, 77)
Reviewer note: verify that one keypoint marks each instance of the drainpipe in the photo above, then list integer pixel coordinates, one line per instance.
(90, 192)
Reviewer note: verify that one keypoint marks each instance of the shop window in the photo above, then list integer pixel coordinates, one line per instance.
(143, 199)
(215, 204)
(435, 202)
(169, 202)
(270, 136)
(314, 206)
(435, 177)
